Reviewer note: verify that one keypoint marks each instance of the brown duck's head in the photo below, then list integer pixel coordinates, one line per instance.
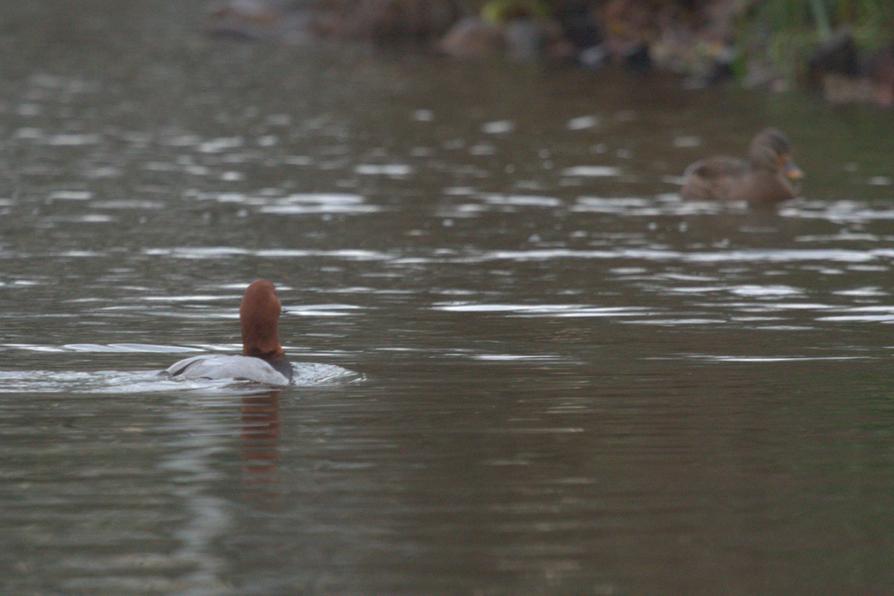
(771, 151)
(259, 318)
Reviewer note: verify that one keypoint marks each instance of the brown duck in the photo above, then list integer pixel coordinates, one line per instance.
(768, 175)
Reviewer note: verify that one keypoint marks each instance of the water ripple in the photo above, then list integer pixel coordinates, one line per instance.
(307, 374)
(217, 252)
(591, 171)
(543, 310)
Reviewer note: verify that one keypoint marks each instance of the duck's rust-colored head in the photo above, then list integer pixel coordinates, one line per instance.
(259, 318)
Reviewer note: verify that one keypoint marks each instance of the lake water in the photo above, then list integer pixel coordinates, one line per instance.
(529, 367)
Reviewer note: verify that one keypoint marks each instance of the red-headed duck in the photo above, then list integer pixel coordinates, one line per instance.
(263, 359)
(768, 175)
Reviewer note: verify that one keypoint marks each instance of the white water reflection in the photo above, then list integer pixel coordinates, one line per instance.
(729, 256)
(522, 201)
(125, 348)
(865, 314)
(128, 204)
(772, 359)
(591, 171)
(216, 252)
(317, 203)
(760, 291)
(71, 140)
(839, 211)
(582, 123)
(871, 291)
(70, 195)
(519, 357)
(397, 170)
(546, 310)
(498, 127)
(324, 310)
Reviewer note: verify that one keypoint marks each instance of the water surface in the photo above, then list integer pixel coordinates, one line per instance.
(567, 379)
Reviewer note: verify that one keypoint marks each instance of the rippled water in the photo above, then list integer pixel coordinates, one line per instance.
(528, 366)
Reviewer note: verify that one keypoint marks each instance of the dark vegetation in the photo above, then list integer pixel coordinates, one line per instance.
(843, 49)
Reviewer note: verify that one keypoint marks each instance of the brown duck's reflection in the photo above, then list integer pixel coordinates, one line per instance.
(260, 445)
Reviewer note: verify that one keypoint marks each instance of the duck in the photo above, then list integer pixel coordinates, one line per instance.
(767, 176)
(263, 359)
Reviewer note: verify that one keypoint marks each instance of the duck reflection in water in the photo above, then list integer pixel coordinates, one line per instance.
(260, 446)
(767, 177)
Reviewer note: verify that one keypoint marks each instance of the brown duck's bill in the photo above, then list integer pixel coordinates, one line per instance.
(792, 171)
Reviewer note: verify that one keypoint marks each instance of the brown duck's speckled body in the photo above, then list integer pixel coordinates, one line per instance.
(768, 175)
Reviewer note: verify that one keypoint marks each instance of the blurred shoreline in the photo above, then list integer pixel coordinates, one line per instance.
(841, 50)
